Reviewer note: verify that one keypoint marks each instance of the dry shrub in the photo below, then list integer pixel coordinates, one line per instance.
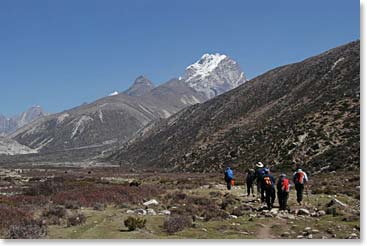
(76, 219)
(99, 206)
(54, 214)
(238, 212)
(196, 205)
(26, 200)
(176, 223)
(11, 216)
(89, 195)
(133, 223)
(27, 229)
(212, 212)
(46, 188)
(189, 210)
(229, 201)
(72, 204)
(215, 194)
(135, 183)
(201, 201)
(53, 210)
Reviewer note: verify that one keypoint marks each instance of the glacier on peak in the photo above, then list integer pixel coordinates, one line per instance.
(204, 66)
(214, 74)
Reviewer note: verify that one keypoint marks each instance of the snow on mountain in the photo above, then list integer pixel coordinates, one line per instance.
(113, 93)
(11, 147)
(214, 74)
(203, 67)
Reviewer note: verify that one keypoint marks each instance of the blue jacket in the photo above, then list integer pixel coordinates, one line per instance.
(228, 173)
(259, 174)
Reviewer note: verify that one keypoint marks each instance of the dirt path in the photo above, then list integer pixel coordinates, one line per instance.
(264, 231)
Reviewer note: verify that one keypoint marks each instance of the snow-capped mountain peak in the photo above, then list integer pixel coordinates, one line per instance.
(205, 65)
(214, 74)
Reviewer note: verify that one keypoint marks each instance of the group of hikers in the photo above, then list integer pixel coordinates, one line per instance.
(265, 183)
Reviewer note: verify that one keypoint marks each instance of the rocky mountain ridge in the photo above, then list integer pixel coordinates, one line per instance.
(306, 112)
(9, 125)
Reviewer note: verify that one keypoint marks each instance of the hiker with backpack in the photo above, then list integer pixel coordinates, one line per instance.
(268, 184)
(228, 177)
(259, 173)
(300, 179)
(283, 191)
(250, 178)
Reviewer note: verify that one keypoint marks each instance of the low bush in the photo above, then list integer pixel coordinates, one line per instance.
(212, 212)
(53, 210)
(54, 214)
(89, 195)
(27, 229)
(215, 194)
(99, 206)
(228, 201)
(70, 204)
(176, 223)
(46, 188)
(202, 201)
(133, 223)
(76, 219)
(11, 216)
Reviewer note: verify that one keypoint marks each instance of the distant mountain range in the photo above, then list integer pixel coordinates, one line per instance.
(9, 125)
(117, 117)
(306, 112)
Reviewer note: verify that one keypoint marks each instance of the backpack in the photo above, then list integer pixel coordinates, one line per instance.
(284, 185)
(267, 181)
(299, 177)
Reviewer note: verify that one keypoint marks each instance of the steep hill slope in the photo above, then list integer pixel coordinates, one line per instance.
(11, 147)
(306, 112)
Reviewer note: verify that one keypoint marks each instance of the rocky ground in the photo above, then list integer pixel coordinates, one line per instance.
(84, 203)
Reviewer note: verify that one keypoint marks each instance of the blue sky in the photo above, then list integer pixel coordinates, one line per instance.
(59, 54)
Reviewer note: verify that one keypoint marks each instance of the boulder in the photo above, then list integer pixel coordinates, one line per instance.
(151, 202)
(274, 211)
(321, 213)
(303, 211)
(141, 211)
(165, 212)
(129, 211)
(199, 218)
(151, 211)
(353, 236)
